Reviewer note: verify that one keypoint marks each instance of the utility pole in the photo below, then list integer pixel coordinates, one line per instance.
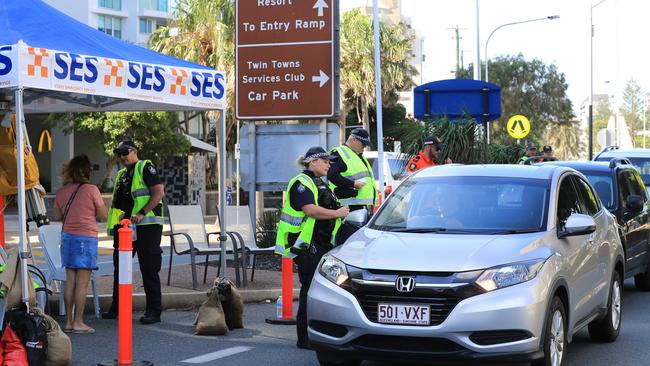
(459, 57)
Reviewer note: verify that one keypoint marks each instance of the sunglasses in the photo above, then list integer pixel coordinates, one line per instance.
(124, 153)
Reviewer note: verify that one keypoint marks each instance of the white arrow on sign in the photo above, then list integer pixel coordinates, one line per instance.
(320, 4)
(322, 78)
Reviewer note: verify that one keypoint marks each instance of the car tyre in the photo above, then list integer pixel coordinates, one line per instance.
(328, 359)
(642, 281)
(608, 328)
(555, 342)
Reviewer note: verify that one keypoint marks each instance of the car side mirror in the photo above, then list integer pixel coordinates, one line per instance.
(357, 218)
(634, 203)
(578, 224)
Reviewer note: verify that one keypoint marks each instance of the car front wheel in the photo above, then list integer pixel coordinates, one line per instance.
(608, 328)
(554, 336)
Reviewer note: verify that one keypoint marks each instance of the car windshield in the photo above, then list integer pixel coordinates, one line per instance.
(482, 205)
(604, 186)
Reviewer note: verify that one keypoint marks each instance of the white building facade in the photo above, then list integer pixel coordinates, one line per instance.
(130, 20)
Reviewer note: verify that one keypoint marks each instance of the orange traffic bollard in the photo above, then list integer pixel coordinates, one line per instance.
(125, 306)
(287, 295)
(2, 221)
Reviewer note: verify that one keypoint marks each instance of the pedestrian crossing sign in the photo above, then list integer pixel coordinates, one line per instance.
(518, 126)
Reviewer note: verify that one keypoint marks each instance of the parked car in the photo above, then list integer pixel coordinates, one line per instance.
(623, 193)
(480, 262)
(640, 158)
(394, 164)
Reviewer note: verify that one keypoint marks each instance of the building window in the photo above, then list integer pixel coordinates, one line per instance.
(110, 25)
(158, 5)
(111, 4)
(146, 26)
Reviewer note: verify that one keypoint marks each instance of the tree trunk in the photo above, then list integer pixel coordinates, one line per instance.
(365, 117)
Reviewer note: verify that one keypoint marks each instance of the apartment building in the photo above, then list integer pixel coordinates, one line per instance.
(130, 20)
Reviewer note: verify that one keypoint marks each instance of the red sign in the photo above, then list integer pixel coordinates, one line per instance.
(285, 59)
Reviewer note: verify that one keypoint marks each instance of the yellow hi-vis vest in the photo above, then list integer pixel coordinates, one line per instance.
(141, 195)
(357, 168)
(293, 222)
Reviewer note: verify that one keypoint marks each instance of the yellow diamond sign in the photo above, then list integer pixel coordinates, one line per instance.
(518, 126)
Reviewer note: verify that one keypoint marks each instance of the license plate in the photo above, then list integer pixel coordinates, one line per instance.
(408, 314)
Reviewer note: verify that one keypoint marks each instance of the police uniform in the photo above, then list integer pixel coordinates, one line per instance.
(308, 244)
(147, 245)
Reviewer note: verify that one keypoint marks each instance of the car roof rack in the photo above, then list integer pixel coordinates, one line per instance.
(606, 149)
(619, 161)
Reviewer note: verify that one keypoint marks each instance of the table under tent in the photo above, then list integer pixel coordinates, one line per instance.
(51, 63)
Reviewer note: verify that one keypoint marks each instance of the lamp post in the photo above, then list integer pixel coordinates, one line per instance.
(487, 61)
(591, 78)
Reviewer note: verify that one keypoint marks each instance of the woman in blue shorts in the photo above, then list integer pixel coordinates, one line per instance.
(78, 204)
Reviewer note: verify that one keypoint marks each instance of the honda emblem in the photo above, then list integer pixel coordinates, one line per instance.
(405, 284)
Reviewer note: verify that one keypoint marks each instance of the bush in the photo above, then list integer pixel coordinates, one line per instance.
(267, 227)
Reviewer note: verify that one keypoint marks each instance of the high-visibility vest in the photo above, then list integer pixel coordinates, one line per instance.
(294, 222)
(141, 195)
(358, 168)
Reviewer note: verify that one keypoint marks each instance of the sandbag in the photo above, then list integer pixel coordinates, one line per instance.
(59, 347)
(231, 302)
(13, 351)
(211, 320)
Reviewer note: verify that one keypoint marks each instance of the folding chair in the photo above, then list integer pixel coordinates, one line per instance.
(238, 221)
(49, 237)
(188, 236)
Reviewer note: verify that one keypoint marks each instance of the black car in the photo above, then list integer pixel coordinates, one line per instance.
(622, 191)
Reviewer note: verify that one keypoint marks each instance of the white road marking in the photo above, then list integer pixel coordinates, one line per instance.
(217, 355)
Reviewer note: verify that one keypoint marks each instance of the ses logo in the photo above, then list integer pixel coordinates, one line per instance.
(5, 61)
(139, 76)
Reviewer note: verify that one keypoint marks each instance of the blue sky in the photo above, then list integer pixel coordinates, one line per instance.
(621, 46)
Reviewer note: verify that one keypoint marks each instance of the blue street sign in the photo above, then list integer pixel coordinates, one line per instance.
(458, 99)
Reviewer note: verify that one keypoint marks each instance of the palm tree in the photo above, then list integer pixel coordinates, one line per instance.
(203, 32)
(564, 137)
(358, 68)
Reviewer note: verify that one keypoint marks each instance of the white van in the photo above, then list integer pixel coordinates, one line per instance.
(394, 168)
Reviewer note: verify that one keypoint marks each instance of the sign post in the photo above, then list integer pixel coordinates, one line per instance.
(286, 59)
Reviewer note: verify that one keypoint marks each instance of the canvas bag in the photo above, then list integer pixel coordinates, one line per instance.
(59, 347)
(211, 320)
(31, 328)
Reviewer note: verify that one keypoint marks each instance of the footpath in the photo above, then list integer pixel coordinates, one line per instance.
(179, 294)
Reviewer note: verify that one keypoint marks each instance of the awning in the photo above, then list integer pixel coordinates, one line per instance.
(201, 145)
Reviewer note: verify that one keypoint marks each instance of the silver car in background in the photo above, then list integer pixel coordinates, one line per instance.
(492, 262)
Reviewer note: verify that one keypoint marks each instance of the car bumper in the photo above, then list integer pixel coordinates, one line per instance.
(518, 308)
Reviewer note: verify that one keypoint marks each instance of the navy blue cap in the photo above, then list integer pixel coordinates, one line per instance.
(317, 152)
(432, 140)
(125, 146)
(531, 147)
(547, 148)
(361, 135)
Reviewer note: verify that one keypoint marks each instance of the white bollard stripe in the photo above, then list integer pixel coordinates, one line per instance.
(217, 355)
(126, 267)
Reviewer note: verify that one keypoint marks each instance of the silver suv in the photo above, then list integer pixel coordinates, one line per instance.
(488, 262)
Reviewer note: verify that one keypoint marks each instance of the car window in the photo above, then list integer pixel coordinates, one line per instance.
(487, 205)
(604, 187)
(643, 165)
(568, 202)
(589, 200)
(629, 184)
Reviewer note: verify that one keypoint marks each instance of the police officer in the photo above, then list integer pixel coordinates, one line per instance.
(351, 178)
(428, 156)
(137, 195)
(531, 150)
(309, 221)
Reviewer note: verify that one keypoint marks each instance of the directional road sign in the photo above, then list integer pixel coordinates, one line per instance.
(518, 126)
(285, 54)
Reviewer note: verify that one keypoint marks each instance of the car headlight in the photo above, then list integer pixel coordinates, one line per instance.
(333, 269)
(509, 274)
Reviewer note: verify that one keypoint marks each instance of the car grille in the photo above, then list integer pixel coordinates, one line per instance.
(439, 306)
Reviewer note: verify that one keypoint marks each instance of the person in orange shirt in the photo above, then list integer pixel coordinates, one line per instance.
(428, 156)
